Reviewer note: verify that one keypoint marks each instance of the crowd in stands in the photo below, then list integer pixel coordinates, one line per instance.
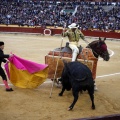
(103, 16)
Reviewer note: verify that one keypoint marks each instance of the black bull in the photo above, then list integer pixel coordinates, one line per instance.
(77, 76)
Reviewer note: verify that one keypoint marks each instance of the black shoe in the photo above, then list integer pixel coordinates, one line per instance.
(9, 89)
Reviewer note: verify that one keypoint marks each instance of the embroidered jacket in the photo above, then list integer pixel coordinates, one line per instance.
(73, 36)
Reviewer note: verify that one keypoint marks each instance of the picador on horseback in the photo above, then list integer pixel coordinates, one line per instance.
(88, 55)
(74, 34)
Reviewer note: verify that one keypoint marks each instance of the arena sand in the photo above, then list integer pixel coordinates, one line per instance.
(36, 104)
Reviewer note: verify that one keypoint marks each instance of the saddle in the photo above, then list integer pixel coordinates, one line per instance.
(67, 49)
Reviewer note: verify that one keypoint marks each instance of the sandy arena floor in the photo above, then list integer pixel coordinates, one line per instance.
(35, 104)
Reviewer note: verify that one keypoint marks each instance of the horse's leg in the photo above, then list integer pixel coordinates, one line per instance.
(95, 86)
(75, 94)
(91, 94)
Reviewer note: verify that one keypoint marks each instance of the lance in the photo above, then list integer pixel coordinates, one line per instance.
(57, 61)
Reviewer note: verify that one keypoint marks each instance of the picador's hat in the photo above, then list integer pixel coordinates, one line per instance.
(73, 25)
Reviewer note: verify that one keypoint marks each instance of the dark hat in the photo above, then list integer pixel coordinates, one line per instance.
(1, 43)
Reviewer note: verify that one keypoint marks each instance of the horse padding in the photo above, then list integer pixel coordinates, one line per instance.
(54, 59)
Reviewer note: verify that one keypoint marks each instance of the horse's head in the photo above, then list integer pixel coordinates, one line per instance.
(99, 48)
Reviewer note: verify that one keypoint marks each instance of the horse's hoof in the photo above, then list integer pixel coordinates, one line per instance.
(95, 88)
(58, 85)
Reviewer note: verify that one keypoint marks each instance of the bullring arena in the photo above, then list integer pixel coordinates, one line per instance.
(35, 104)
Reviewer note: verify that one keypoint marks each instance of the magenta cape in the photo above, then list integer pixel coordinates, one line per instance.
(24, 73)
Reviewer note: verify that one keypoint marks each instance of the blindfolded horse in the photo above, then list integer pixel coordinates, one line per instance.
(99, 49)
(91, 53)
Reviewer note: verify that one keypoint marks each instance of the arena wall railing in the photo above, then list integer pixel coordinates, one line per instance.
(56, 31)
(106, 117)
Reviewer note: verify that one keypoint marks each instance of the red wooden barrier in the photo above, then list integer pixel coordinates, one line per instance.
(58, 31)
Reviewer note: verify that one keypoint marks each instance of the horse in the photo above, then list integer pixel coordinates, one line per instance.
(88, 55)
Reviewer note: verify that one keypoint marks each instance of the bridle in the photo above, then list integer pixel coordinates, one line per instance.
(101, 52)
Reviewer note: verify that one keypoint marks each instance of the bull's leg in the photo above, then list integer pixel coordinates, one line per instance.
(91, 94)
(75, 94)
(61, 93)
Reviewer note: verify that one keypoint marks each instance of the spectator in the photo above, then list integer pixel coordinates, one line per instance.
(36, 12)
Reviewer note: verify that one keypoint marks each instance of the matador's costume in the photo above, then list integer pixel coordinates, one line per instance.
(74, 34)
